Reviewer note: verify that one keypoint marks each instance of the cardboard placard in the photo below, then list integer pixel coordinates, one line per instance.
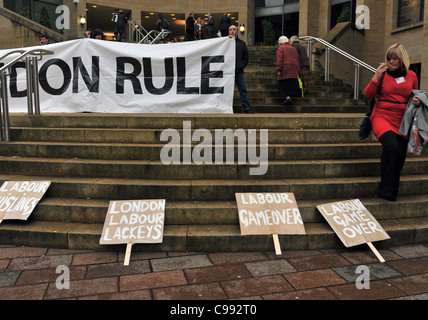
(134, 221)
(269, 213)
(19, 198)
(353, 223)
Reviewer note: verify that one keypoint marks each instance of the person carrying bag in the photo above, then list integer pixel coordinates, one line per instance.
(366, 124)
(387, 115)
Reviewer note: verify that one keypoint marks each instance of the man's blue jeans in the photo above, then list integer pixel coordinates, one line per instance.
(243, 95)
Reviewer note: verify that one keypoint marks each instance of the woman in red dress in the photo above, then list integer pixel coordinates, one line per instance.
(392, 97)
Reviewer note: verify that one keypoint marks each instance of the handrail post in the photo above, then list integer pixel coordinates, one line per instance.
(327, 64)
(5, 106)
(309, 51)
(28, 70)
(357, 81)
(1, 106)
(36, 85)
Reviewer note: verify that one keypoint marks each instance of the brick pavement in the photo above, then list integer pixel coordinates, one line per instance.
(30, 273)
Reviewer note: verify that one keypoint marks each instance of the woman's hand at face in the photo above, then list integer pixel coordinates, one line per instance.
(379, 71)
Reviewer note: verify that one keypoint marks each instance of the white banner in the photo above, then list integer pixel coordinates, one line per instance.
(116, 77)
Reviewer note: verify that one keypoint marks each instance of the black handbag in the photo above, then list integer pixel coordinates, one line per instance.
(366, 124)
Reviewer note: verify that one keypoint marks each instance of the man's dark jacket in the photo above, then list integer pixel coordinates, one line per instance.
(241, 55)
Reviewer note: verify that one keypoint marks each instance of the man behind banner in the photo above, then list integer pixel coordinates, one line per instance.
(241, 63)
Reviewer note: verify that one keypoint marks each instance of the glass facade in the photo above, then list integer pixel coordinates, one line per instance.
(40, 11)
(342, 11)
(282, 15)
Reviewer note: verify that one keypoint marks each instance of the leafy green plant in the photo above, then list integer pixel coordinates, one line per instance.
(268, 33)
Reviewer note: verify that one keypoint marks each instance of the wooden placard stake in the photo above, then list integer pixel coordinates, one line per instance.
(127, 254)
(277, 245)
(372, 247)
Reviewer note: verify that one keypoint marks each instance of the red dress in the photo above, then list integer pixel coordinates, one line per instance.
(386, 115)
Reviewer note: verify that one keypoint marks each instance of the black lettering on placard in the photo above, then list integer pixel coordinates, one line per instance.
(207, 74)
(121, 76)
(92, 85)
(148, 76)
(181, 78)
(44, 80)
(14, 93)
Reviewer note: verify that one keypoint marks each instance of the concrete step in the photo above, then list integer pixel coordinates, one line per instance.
(151, 152)
(321, 95)
(278, 107)
(142, 169)
(217, 212)
(153, 136)
(222, 189)
(200, 238)
(207, 121)
(317, 90)
(277, 100)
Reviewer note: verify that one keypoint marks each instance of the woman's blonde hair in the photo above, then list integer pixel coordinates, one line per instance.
(399, 51)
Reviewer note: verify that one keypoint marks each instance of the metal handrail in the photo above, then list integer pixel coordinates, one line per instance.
(328, 46)
(133, 25)
(159, 35)
(150, 37)
(31, 57)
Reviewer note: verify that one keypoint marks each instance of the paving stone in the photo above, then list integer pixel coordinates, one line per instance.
(94, 257)
(313, 279)
(217, 273)
(4, 264)
(50, 275)
(367, 256)
(236, 257)
(118, 269)
(413, 284)
(423, 296)
(375, 271)
(378, 290)
(309, 294)
(411, 266)
(294, 254)
(43, 262)
(255, 286)
(8, 278)
(272, 267)
(83, 288)
(29, 292)
(318, 262)
(176, 263)
(130, 295)
(152, 280)
(411, 251)
(16, 252)
(207, 291)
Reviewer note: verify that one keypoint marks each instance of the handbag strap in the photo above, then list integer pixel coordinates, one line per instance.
(372, 102)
